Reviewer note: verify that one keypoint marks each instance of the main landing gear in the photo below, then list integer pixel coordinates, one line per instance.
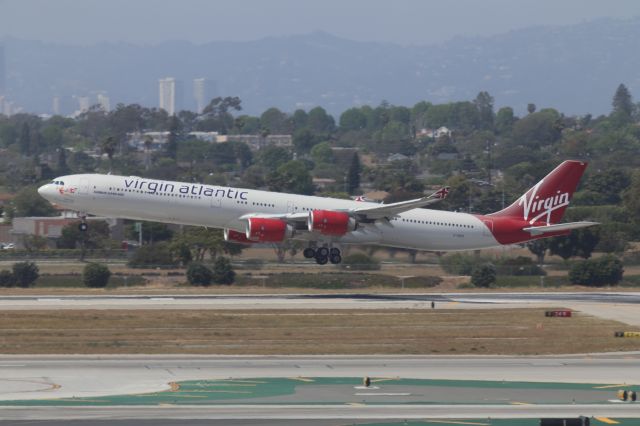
(323, 255)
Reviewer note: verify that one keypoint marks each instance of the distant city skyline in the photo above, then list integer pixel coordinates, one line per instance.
(415, 22)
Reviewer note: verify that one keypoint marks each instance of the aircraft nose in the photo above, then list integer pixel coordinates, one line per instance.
(43, 190)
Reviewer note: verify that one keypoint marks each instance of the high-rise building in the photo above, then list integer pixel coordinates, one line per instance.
(3, 77)
(55, 105)
(104, 102)
(170, 95)
(203, 91)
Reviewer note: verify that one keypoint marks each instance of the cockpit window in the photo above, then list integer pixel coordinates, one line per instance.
(61, 182)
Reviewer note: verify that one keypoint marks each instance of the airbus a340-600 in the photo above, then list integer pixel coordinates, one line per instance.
(251, 216)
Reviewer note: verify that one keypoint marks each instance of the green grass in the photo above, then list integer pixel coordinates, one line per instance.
(75, 281)
(334, 281)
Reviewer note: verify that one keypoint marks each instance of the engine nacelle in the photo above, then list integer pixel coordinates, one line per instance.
(264, 230)
(329, 222)
(236, 237)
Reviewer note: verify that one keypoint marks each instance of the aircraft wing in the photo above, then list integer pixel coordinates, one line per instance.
(540, 230)
(368, 212)
(387, 210)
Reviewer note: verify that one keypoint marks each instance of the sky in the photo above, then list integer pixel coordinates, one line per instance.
(407, 22)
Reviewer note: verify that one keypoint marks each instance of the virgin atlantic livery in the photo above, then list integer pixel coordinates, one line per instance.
(250, 216)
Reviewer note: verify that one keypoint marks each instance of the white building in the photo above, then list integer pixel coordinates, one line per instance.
(104, 102)
(55, 105)
(203, 91)
(170, 95)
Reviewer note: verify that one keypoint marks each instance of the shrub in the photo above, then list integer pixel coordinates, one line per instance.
(199, 274)
(520, 265)
(6, 279)
(483, 275)
(223, 272)
(360, 262)
(607, 270)
(25, 273)
(458, 263)
(154, 255)
(96, 275)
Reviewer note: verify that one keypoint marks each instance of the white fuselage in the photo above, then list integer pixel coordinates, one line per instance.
(222, 207)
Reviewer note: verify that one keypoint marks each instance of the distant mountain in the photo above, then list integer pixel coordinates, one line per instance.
(575, 69)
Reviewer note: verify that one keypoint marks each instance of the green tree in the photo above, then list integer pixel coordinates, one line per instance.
(484, 104)
(28, 202)
(292, 177)
(95, 237)
(505, 120)
(216, 116)
(25, 274)
(304, 140)
(223, 272)
(579, 242)
(539, 247)
(622, 104)
(24, 141)
(153, 255)
(483, 275)
(319, 121)
(275, 121)
(322, 153)
(272, 157)
(199, 274)
(353, 119)
(7, 279)
(353, 174)
(175, 128)
(96, 275)
(531, 108)
(200, 241)
(109, 146)
(607, 270)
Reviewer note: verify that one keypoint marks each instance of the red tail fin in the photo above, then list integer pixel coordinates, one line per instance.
(548, 199)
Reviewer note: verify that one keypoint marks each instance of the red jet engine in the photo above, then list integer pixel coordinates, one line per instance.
(329, 222)
(264, 230)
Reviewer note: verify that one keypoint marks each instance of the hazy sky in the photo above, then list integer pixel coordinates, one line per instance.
(399, 21)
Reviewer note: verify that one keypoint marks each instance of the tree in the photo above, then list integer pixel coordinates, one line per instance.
(200, 241)
(153, 255)
(29, 203)
(319, 121)
(607, 270)
(7, 279)
(109, 146)
(304, 140)
(25, 273)
(171, 147)
(622, 104)
(483, 275)
(484, 104)
(504, 120)
(223, 272)
(216, 115)
(199, 274)
(353, 119)
(96, 275)
(24, 141)
(292, 177)
(322, 153)
(539, 247)
(353, 175)
(531, 108)
(275, 121)
(579, 242)
(95, 237)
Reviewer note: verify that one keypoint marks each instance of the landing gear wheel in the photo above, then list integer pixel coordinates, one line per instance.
(309, 253)
(334, 252)
(322, 252)
(83, 226)
(321, 260)
(335, 259)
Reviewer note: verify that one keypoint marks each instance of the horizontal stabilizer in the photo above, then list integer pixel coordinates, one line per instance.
(558, 227)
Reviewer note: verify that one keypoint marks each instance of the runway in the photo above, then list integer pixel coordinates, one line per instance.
(52, 377)
(618, 306)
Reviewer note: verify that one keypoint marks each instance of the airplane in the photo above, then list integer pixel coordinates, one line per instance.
(250, 216)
